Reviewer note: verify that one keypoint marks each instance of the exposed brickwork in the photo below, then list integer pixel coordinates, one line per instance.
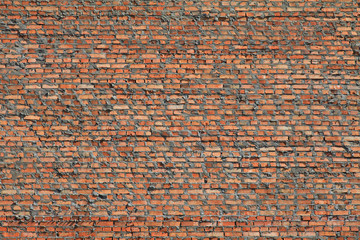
(179, 119)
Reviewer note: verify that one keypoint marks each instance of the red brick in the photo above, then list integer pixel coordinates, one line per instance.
(186, 119)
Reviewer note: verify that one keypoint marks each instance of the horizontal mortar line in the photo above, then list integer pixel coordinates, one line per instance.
(184, 215)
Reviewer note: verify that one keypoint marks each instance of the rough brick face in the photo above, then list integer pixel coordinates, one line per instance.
(179, 119)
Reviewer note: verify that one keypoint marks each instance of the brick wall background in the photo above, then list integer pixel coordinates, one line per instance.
(179, 119)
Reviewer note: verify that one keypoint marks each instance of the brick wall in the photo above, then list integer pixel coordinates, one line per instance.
(179, 119)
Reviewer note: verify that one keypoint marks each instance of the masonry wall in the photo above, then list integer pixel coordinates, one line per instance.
(179, 119)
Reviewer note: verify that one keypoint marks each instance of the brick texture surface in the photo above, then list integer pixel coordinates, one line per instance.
(197, 119)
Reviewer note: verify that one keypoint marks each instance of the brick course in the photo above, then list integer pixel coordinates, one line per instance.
(179, 119)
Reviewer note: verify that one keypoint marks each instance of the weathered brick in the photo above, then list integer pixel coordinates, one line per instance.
(179, 119)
